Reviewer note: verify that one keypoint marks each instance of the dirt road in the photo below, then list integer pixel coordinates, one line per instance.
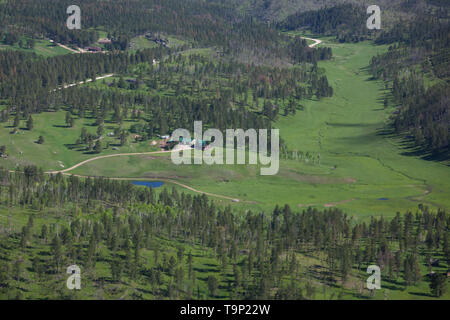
(66, 172)
(316, 41)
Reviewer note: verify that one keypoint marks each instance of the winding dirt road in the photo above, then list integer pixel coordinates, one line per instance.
(316, 41)
(66, 172)
(106, 156)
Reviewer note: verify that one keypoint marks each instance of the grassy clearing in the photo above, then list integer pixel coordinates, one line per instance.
(141, 42)
(42, 47)
(360, 164)
(59, 142)
(363, 170)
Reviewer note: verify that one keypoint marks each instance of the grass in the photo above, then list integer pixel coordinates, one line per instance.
(59, 142)
(141, 42)
(348, 132)
(301, 34)
(42, 47)
(360, 163)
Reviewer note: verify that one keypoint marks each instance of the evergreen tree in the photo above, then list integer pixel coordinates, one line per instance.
(30, 124)
(438, 284)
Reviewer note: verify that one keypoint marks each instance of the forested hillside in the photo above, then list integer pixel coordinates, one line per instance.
(201, 23)
(416, 68)
(220, 93)
(346, 22)
(278, 10)
(81, 126)
(177, 246)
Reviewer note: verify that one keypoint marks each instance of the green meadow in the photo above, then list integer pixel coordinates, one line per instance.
(59, 146)
(363, 169)
(42, 47)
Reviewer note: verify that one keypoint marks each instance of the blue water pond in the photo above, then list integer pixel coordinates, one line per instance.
(152, 184)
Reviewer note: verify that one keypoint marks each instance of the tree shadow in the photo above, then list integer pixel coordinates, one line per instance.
(422, 294)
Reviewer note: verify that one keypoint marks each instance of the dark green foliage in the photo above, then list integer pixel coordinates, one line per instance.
(347, 22)
(438, 284)
(263, 264)
(423, 113)
(30, 123)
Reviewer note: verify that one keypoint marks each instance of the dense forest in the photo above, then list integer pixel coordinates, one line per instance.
(205, 24)
(346, 22)
(421, 51)
(141, 237)
(29, 84)
(222, 91)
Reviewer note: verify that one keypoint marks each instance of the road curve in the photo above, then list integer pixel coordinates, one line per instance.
(103, 157)
(65, 172)
(163, 180)
(316, 41)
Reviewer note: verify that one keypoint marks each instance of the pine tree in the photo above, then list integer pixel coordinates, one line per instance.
(98, 146)
(16, 121)
(212, 285)
(56, 250)
(30, 124)
(438, 284)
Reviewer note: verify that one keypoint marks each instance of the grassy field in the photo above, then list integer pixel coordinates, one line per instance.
(141, 42)
(363, 170)
(59, 145)
(42, 47)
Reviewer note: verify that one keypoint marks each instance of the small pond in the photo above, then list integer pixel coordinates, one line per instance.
(152, 184)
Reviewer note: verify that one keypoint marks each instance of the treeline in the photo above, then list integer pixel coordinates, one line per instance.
(429, 32)
(299, 52)
(422, 51)
(157, 114)
(256, 256)
(203, 23)
(424, 114)
(347, 22)
(221, 92)
(28, 82)
(240, 84)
